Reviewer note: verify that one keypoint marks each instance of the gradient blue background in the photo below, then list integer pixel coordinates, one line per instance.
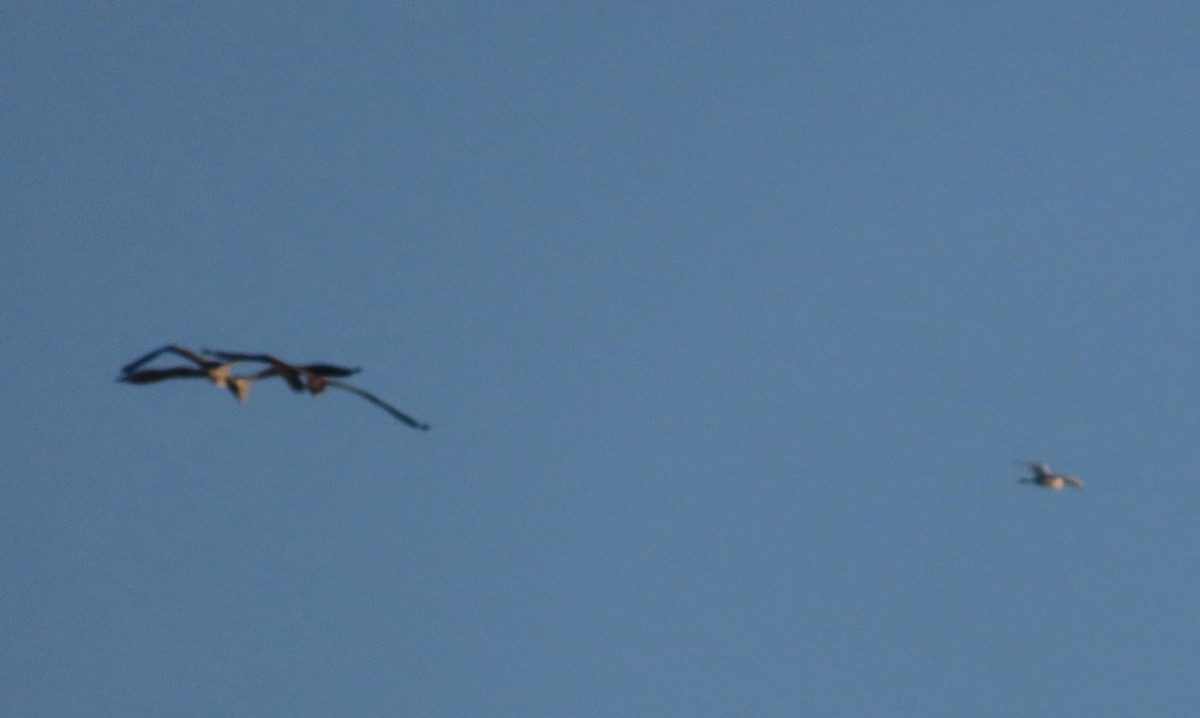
(733, 322)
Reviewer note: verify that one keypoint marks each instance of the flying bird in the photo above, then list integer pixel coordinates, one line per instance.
(313, 377)
(299, 377)
(215, 366)
(1043, 476)
(216, 371)
(219, 371)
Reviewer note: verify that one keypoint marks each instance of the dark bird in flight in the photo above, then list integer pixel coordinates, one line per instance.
(219, 371)
(216, 371)
(315, 378)
(300, 377)
(205, 367)
(1043, 476)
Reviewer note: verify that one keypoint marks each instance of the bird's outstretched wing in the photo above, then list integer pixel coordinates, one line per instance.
(247, 356)
(319, 368)
(198, 360)
(380, 403)
(150, 376)
(1073, 481)
(322, 369)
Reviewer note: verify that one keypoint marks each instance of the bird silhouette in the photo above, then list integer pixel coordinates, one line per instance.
(1043, 476)
(314, 378)
(215, 366)
(238, 385)
(300, 377)
(216, 371)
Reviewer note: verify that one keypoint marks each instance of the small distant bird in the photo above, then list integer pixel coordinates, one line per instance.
(313, 377)
(1043, 476)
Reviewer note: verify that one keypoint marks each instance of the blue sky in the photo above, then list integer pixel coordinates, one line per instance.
(733, 324)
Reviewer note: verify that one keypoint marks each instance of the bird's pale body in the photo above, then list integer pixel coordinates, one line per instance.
(1043, 476)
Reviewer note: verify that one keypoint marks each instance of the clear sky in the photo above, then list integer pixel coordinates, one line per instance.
(734, 322)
